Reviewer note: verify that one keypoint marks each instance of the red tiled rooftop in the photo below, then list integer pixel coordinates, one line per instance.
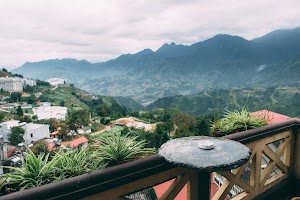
(51, 146)
(78, 141)
(270, 116)
(11, 151)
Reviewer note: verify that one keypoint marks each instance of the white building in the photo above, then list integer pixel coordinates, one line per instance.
(15, 84)
(84, 130)
(33, 132)
(28, 81)
(11, 84)
(56, 81)
(48, 112)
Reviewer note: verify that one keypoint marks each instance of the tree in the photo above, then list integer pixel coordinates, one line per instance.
(2, 116)
(29, 89)
(64, 130)
(102, 120)
(26, 119)
(34, 117)
(183, 131)
(62, 103)
(30, 100)
(202, 127)
(16, 135)
(168, 126)
(107, 121)
(80, 117)
(15, 97)
(40, 147)
(160, 136)
(20, 111)
(40, 83)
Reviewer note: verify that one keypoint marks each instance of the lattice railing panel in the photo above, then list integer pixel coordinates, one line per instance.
(268, 165)
(180, 175)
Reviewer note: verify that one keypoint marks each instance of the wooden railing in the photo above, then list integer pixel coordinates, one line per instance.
(269, 165)
(274, 163)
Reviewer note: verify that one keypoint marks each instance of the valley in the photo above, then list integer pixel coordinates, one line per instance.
(220, 62)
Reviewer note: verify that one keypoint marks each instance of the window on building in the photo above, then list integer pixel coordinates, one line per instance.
(31, 135)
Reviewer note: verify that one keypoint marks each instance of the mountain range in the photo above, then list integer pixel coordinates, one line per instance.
(223, 61)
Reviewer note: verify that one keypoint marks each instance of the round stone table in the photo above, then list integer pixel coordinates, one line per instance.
(205, 154)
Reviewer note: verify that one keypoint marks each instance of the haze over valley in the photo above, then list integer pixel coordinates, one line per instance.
(223, 61)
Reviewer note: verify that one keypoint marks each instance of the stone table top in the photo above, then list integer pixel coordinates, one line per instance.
(186, 152)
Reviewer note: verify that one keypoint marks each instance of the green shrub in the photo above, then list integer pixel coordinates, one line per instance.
(43, 169)
(236, 121)
(36, 171)
(115, 149)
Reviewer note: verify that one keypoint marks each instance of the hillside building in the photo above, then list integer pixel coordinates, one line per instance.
(15, 84)
(56, 81)
(11, 84)
(33, 132)
(29, 82)
(47, 111)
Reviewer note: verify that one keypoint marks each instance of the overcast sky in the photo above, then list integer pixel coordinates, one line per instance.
(99, 30)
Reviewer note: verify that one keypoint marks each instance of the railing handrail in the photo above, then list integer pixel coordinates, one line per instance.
(261, 132)
(95, 182)
(108, 178)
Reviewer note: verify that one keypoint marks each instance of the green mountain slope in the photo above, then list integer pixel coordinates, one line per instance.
(285, 100)
(77, 99)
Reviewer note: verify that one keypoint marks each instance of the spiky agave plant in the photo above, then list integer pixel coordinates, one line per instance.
(243, 120)
(117, 149)
(237, 121)
(35, 171)
(77, 162)
(40, 170)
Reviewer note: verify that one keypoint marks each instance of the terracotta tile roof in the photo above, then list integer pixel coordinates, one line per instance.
(78, 141)
(51, 146)
(11, 151)
(270, 116)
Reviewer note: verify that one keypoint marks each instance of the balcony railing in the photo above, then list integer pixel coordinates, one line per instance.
(272, 171)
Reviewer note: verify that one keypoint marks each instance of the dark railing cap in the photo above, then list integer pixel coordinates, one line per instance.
(94, 182)
(261, 132)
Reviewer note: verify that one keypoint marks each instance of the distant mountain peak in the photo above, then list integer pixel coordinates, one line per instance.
(167, 47)
(227, 37)
(147, 50)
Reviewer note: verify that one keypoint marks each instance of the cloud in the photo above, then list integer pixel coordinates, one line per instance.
(98, 30)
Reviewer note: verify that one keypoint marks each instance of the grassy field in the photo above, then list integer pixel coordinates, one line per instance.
(115, 130)
(63, 95)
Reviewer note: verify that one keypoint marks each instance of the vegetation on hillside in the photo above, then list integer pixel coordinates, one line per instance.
(281, 99)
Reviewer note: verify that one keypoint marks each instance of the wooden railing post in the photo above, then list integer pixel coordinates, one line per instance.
(199, 186)
(204, 185)
(296, 156)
